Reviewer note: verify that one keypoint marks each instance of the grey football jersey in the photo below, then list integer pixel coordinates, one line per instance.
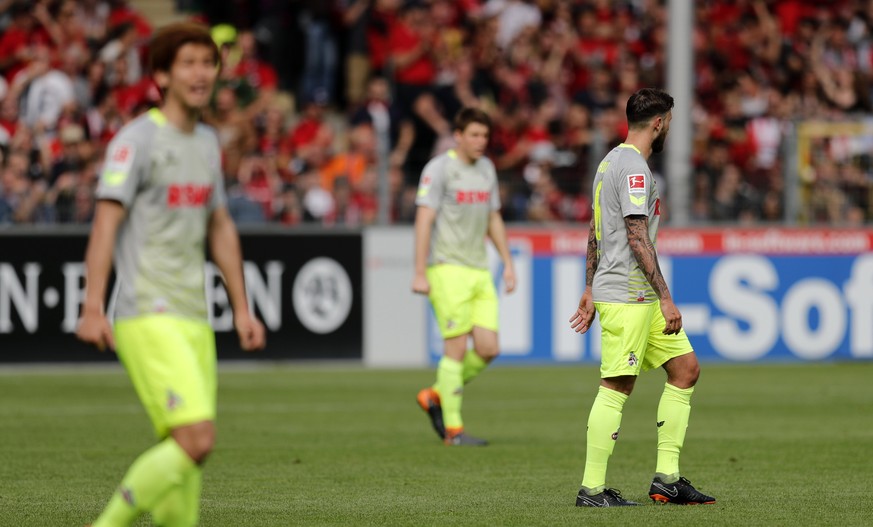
(169, 182)
(623, 187)
(463, 195)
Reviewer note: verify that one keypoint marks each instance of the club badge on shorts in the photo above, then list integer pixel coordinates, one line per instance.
(632, 359)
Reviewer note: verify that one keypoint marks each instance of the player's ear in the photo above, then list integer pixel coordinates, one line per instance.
(162, 79)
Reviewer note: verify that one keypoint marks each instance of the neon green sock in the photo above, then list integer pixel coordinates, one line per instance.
(450, 386)
(604, 422)
(473, 365)
(180, 507)
(673, 412)
(154, 473)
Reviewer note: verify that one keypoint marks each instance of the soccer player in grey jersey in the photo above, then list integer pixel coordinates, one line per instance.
(458, 205)
(641, 328)
(160, 198)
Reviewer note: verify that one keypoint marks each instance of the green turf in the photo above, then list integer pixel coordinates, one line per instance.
(303, 445)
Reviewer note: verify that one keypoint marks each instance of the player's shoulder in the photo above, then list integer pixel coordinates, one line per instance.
(140, 130)
(437, 164)
(486, 165)
(206, 131)
(627, 160)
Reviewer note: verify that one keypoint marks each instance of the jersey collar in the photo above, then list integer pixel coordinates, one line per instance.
(625, 145)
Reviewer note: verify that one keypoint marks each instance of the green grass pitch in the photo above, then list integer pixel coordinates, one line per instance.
(317, 445)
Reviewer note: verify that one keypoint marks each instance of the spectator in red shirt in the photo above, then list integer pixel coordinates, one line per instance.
(260, 75)
(121, 12)
(259, 182)
(310, 141)
(9, 116)
(381, 18)
(348, 209)
(257, 74)
(59, 21)
(271, 135)
(410, 44)
(15, 50)
(130, 95)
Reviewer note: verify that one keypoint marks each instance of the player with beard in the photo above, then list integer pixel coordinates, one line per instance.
(641, 328)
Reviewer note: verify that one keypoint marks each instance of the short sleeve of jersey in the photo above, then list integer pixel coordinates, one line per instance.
(495, 190)
(219, 197)
(123, 168)
(432, 184)
(634, 188)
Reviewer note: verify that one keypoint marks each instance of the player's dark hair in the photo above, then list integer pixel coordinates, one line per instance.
(645, 104)
(471, 115)
(167, 41)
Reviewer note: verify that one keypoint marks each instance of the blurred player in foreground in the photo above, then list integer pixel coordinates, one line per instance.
(161, 197)
(641, 328)
(458, 204)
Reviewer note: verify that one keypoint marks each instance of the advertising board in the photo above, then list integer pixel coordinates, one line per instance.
(305, 287)
(745, 295)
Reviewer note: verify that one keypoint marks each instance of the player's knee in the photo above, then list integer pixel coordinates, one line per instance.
(693, 373)
(687, 376)
(203, 447)
(488, 352)
(197, 440)
(622, 384)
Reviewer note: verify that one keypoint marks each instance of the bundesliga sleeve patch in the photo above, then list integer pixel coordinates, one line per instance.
(424, 185)
(636, 183)
(119, 160)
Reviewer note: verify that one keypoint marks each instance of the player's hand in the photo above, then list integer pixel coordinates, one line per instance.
(420, 285)
(672, 316)
(252, 335)
(581, 320)
(509, 278)
(94, 329)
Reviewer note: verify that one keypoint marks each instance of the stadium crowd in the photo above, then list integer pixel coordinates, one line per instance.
(317, 97)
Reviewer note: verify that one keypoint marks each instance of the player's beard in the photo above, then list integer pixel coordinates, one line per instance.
(658, 143)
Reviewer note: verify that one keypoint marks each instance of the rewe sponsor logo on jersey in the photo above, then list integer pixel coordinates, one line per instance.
(471, 197)
(188, 195)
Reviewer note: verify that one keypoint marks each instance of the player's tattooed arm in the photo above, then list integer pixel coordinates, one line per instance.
(592, 258)
(644, 252)
(581, 319)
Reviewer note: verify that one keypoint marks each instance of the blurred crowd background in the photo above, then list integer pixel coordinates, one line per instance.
(317, 98)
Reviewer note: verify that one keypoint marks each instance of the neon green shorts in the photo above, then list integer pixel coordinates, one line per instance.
(632, 339)
(171, 361)
(462, 297)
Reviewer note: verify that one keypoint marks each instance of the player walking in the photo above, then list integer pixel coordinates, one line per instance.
(458, 204)
(160, 198)
(641, 327)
